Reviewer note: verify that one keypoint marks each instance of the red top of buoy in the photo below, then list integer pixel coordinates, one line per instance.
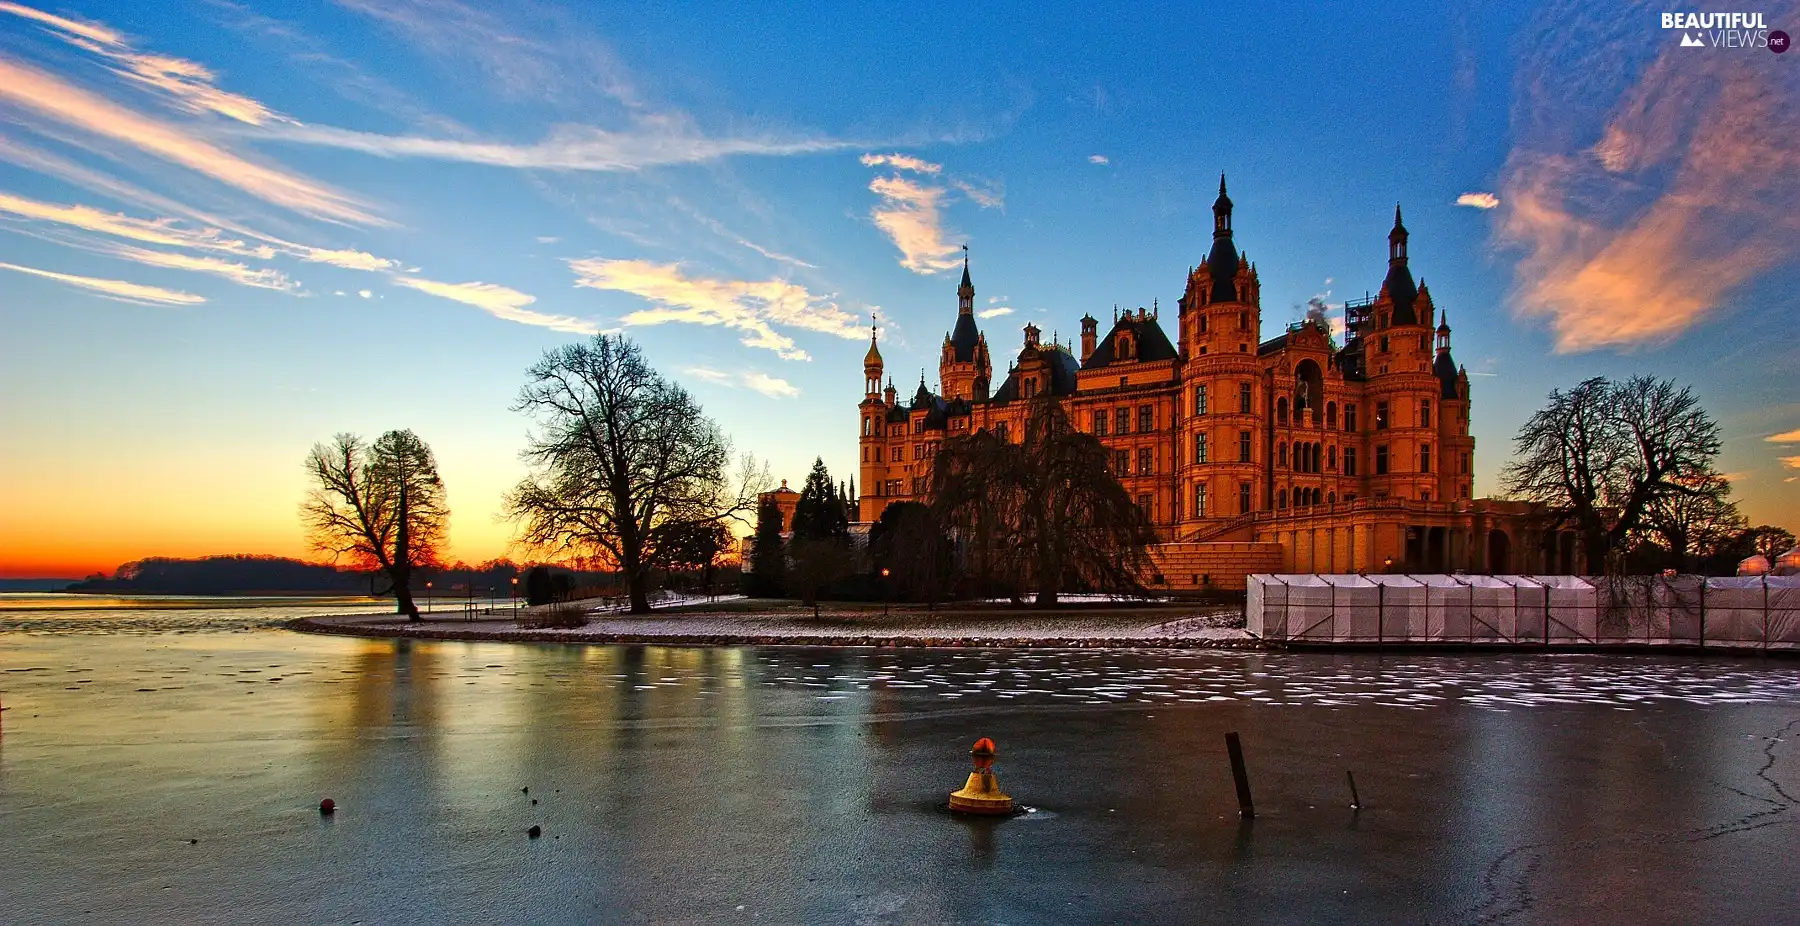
(984, 746)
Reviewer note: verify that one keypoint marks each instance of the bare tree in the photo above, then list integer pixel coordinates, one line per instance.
(1697, 523)
(1045, 514)
(381, 505)
(1600, 455)
(624, 463)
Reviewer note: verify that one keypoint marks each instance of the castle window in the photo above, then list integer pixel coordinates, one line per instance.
(1464, 468)
(1146, 418)
(1281, 499)
(865, 454)
(1122, 420)
(1349, 417)
(1199, 400)
(1202, 323)
(1349, 461)
(1331, 499)
(1384, 343)
(1244, 398)
(1281, 410)
(1331, 459)
(1000, 429)
(1243, 321)
(1100, 423)
(1030, 387)
(1381, 460)
(1203, 350)
(1281, 455)
(918, 451)
(1146, 461)
(1200, 447)
(868, 426)
(918, 485)
(1381, 415)
(1244, 498)
(1143, 502)
(1200, 500)
(899, 453)
(1331, 415)
(1424, 458)
(1243, 446)
(1425, 413)
(1425, 495)
(1121, 462)
(878, 454)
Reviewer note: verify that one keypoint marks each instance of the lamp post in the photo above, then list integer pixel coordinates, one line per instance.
(887, 592)
(515, 597)
(428, 598)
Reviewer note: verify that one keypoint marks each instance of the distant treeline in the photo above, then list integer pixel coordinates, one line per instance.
(251, 575)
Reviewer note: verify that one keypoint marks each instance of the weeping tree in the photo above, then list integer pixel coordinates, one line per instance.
(1045, 514)
(380, 505)
(911, 553)
(1602, 455)
(624, 464)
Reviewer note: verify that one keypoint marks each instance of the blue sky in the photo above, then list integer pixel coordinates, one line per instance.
(227, 233)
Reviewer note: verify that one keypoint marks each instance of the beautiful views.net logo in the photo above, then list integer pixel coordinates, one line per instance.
(1726, 30)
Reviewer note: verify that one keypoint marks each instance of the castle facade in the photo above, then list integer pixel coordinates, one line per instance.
(1292, 454)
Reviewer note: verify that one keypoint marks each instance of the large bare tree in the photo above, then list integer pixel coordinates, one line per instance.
(1044, 514)
(1695, 524)
(624, 463)
(1602, 455)
(381, 505)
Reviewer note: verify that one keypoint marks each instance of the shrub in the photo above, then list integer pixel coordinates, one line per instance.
(556, 617)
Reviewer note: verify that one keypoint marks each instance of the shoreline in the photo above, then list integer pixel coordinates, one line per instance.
(608, 632)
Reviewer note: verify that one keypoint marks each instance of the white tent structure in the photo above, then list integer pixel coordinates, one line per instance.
(1761, 612)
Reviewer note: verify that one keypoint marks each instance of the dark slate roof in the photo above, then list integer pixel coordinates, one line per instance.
(1445, 370)
(1403, 292)
(922, 398)
(1272, 345)
(1152, 343)
(963, 338)
(1063, 367)
(897, 414)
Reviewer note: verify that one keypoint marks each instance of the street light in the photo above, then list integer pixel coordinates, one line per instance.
(428, 598)
(515, 597)
(887, 593)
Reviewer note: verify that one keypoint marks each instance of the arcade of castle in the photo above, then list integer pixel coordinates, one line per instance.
(1286, 455)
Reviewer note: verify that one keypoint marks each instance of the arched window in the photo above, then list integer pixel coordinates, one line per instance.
(1331, 459)
(1281, 454)
(1331, 499)
(1281, 410)
(1331, 415)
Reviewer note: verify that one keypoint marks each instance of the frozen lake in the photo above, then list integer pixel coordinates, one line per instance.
(166, 765)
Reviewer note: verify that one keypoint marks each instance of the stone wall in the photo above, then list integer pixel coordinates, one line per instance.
(1187, 567)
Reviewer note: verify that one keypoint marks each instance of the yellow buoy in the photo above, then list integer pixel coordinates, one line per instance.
(982, 795)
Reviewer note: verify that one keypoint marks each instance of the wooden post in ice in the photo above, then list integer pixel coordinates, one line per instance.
(1246, 809)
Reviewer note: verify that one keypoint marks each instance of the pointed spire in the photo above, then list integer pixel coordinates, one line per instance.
(1223, 261)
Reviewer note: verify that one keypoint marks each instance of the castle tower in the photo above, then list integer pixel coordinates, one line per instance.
(1090, 334)
(874, 413)
(965, 368)
(1405, 398)
(1456, 475)
(1222, 457)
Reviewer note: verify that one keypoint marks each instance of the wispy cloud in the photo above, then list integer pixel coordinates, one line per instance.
(366, 293)
(1688, 193)
(710, 375)
(263, 278)
(186, 85)
(772, 386)
(653, 141)
(1478, 200)
(1791, 462)
(1785, 437)
(31, 89)
(1099, 159)
(162, 231)
(547, 239)
(499, 301)
(986, 194)
(901, 162)
(117, 289)
(994, 313)
(754, 307)
(347, 259)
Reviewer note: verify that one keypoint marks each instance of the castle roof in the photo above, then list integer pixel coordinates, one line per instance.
(1152, 343)
(964, 337)
(1063, 367)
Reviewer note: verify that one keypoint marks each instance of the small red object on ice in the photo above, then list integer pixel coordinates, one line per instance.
(327, 806)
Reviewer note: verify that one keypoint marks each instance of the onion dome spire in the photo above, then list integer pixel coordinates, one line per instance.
(1223, 261)
(1399, 283)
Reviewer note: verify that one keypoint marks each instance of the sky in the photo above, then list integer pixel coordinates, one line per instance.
(229, 231)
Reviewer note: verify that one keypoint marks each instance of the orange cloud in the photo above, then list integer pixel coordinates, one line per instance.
(1786, 437)
(1478, 200)
(117, 289)
(150, 231)
(230, 270)
(31, 89)
(912, 216)
(751, 306)
(1688, 193)
(499, 301)
(901, 162)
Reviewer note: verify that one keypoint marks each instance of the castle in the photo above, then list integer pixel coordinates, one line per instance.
(1286, 455)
